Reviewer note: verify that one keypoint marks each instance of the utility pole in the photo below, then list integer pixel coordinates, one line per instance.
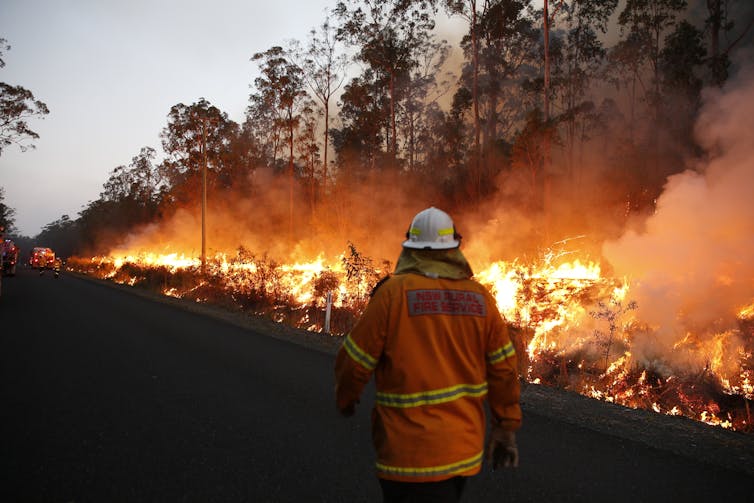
(547, 146)
(204, 197)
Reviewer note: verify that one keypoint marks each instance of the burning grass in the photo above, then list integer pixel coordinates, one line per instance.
(573, 328)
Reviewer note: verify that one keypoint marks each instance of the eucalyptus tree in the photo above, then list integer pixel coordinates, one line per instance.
(364, 119)
(62, 235)
(281, 90)
(146, 177)
(197, 137)
(422, 89)
(262, 126)
(625, 72)
(17, 106)
(502, 49)
(7, 214)
(529, 154)
(388, 35)
(247, 152)
(681, 62)
(645, 156)
(445, 148)
(725, 33)
(468, 10)
(324, 71)
(509, 44)
(582, 62)
(308, 152)
(136, 186)
(649, 21)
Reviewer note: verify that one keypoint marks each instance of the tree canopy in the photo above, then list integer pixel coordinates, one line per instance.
(17, 106)
(377, 98)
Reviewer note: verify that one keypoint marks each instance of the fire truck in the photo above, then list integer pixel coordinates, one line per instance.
(41, 258)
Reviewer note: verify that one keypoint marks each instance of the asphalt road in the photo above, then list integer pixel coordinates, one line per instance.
(109, 396)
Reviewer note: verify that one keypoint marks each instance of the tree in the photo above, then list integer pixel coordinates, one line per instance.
(508, 43)
(308, 153)
(648, 20)
(719, 22)
(680, 61)
(134, 188)
(195, 134)
(500, 48)
(17, 106)
(467, 9)
(96, 232)
(422, 81)
(324, 71)
(446, 148)
(582, 61)
(364, 116)
(547, 19)
(626, 61)
(529, 152)
(281, 89)
(7, 214)
(389, 35)
(246, 153)
(146, 177)
(61, 235)
(653, 157)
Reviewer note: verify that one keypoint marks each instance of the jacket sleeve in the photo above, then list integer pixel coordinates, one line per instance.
(502, 376)
(361, 350)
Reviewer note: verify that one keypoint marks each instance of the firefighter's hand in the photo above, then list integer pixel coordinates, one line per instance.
(502, 449)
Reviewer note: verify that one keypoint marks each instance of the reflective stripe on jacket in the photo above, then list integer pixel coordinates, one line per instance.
(437, 348)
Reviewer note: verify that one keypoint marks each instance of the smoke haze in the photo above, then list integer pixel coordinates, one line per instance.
(691, 266)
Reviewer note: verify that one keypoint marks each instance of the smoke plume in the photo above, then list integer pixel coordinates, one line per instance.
(691, 266)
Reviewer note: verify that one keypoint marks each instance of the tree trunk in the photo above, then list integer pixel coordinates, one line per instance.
(546, 28)
(393, 137)
(327, 133)
(546, 124)
(475, 97)
(715, 16)
(290, 174)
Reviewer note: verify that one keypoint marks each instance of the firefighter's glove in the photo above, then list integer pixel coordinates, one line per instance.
(501, 449)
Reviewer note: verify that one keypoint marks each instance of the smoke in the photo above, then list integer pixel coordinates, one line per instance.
(692, 267)
(372, 215)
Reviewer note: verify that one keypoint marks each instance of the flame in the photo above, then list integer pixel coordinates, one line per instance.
(576, 328)
(747, 312)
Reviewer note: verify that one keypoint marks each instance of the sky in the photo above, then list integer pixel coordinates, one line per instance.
(110, 70)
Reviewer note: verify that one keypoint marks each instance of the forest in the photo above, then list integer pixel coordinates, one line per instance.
(545, 120)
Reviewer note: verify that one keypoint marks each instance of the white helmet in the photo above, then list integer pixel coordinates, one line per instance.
(432, 229)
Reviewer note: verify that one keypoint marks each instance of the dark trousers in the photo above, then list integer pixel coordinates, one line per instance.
(445, 491)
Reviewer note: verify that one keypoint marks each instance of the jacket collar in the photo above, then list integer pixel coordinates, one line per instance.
(449, 264)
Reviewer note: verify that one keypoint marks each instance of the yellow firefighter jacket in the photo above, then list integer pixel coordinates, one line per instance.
(437, 346)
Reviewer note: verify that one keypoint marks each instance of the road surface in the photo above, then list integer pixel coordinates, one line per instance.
(108, 396)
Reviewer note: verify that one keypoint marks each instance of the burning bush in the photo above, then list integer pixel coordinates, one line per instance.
(572, 327)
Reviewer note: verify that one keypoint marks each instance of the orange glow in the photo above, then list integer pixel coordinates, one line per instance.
(577, 328)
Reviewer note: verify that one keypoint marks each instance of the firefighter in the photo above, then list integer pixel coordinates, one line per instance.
(438, 347)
